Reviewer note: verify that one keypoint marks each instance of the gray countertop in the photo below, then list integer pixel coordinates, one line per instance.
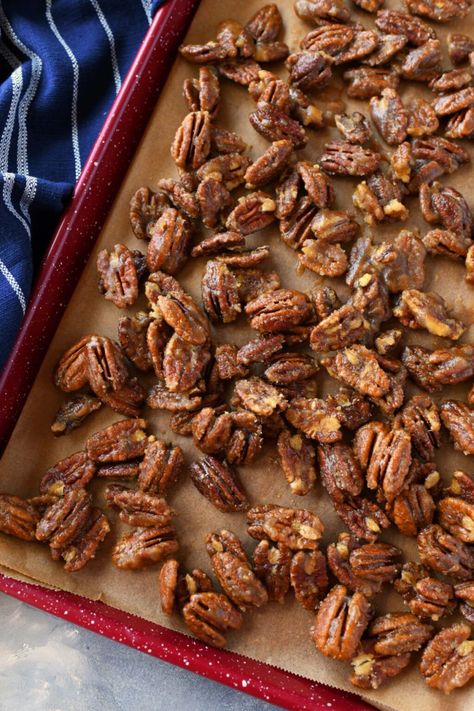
(48, 664)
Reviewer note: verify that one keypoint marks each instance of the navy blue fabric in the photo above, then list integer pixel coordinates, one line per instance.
(61, 65)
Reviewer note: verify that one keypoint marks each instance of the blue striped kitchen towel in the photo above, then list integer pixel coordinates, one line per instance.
(62, 63)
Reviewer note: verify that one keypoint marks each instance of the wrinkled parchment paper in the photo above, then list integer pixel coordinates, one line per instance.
(276, 634)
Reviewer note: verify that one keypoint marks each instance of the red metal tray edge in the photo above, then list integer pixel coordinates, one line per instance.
(63, 264)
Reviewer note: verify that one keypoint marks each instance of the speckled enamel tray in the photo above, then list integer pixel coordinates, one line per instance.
(61, 269)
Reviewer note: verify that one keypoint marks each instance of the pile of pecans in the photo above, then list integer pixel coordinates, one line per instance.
(372, 444)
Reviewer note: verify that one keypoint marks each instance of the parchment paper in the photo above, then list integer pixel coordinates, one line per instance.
(276, 634)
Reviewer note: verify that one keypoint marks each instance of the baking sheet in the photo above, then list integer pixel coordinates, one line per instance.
(32, 448)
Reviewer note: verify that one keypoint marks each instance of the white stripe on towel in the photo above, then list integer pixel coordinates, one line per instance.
(111, 39)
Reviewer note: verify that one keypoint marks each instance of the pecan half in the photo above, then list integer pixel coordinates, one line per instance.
(275, 125)
(208, 614)
(269, 165)
(465, 593)
(278, 310)
(138, 508)
(445, 554)
(353, 127)
(228, 169)
(340, 471)
(192, 142)
(317, 419)
(427, 598)
(132, 336)
(338, 555)
(144, 547)
(362, 517)
(458, 419)
(122, 441)
(297, 459)
(73, 472)
(358, 367)
(418, 309)
(412, 509)
(18, 517)
(254, 212)
(340, 623)
(160, 467)
(422, 119)
(459, 47)
(73, 413)
(388, 46)
(448, 660)
(457, 517)
(298, 529)
(416, 31)
(309, 70)
(219, 484)
(118, 278)
(145, 208)
(423, 63)
(344, 158)
(371, 670)
(219, 292)
(443, 11)
(389, 116)
(421, 420)
(367, 82)
(321, 11)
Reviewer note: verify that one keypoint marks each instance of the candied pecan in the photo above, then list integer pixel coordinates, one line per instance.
(358, 367)
(304, 110)
(160, 467)
(309, 70)
(286, 194)
(144, 547)
(211, 430)
(63, 520)
(259, 397)
(127, 400)
(296, 228)
(340, 471)
(260, 350)
(363, 517)
(343, 158)
(402, 23)
(322, 11)
(105, 365)
(323, 258)
(418, 309)
(388, 46)
(459, 47)
(446, 366)
(353, 127)
(446, 205)
(267, 87)
(369, 5)
(340, 623)
(19, 517)
(331, 38)
(452, 103)
(219, 293)
(229, 169)
(183, 200)
(167, 584)
(271, 564)
(470, 265)
(118, 279)
(316, 418)
(269, 165)
(401, 162)
(180, 311)
(422, 119)
(461, 485)
(461, 125)
(275, 125)
(423, 63)
(73, 472)
(192, 142)
(363, 44)
(219, 484)
(266, 24)
(412, 509)
(444, 553)
(208, 614)
(252, 283)
(451, 81)
(427, 598)
(214, 199)
(421, 420)
(138, 508)
(237, 40)
(352, 410)
(398, 633)
(371, 670)
(209, 53)
(309, 578)
(119, 442)
(447, 243)
(217, 243)
(367, 82)
(278, 310)
(443, 11)
(298, 529)
(73, 412)
(446, 155)
(246, 439)
(334, 226)
(448, 660)
(385, 457)
(145, 208)
(132, 335)
(232, 569)
(71, 372)
(316, 184)
(389, 116)
(297, 459)
(157, 336)
(244, 258)
(287, 368)
(372, 299)
(241, 72)
(465, 593)
(84, 547)
(457, 517)
(183, 364)
(254, 212)
(270, 51)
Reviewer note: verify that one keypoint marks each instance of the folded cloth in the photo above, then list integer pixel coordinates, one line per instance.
(62, 63)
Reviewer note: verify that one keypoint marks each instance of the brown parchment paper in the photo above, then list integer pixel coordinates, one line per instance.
(276, 634)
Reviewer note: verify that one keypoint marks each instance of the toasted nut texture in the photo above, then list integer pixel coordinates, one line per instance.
(340, 623)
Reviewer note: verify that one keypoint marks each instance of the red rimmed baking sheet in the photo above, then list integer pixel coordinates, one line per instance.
(62, 267)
